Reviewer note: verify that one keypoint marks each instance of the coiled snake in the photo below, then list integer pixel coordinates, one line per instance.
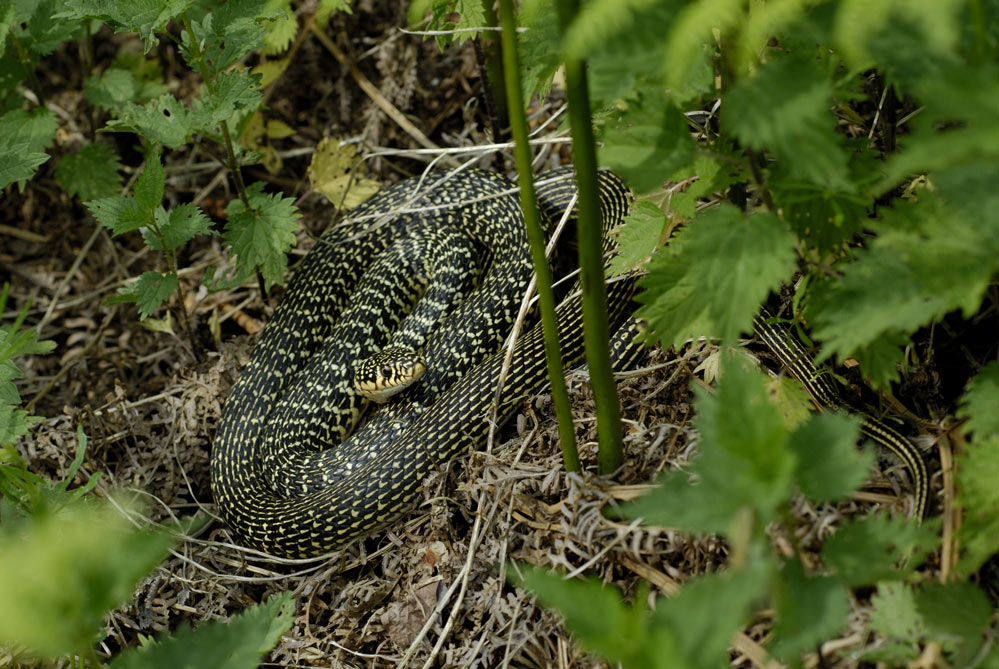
(277, 484)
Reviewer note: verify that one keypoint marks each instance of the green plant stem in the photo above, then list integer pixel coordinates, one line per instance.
(536, 236)
(231, 163)
(591, 265)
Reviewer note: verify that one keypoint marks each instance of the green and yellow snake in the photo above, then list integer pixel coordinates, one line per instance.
(284, 478)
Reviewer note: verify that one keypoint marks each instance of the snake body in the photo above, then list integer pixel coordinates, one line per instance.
(276, 480)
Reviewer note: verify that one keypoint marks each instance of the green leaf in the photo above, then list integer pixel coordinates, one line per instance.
(744, 461)
(150, 186)
(639, 235)
(165, 120)
(37, 128)
(61, 573)
(713, 275)
(178, 226)
(980, 403)
(262, 234)
(150, 291)
(810, 609)
(649, 141)
(18, 163)
(225, 35)
(234, 96)
(710, 178)
(829, 465)
(784, 110)
(455, 14)
(236, 644)
(928, 259)
(978, 497)
(539, 52)
(40, 30)
(957, 612)
(112, 89)
(146, 17)
(872, 548)
(119, 213)
(596, 613)
(894, 613)
(691, 37)
(92, 172)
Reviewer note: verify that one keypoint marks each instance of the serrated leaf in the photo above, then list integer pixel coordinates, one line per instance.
(112, 89)
(151, 184)
(119, 213)
(713, 275)
(957, 612)
(980, 403)
(63, 572)
(142, 16)
(647, 143)
(149, 292)
(281, 30)
(793, 402)
(744, 460)
(978, 498)
(36, 129)
(337, 172)
(829, 464)
(784, 110)
(928, 259)
(238, 643)
(691, 31)
(262, 235)
(872, 548)
(810, 609)
(178, 226)
(235, 94)
(40, 29)
(454, 14)
(165, 120)
(596, 613)
(639, 235)
(709, 178)
(894, 613)
(92, 172)
(225, 35)
(18, 163)
(539, 52)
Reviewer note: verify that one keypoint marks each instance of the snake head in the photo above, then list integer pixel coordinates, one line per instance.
(388, 372)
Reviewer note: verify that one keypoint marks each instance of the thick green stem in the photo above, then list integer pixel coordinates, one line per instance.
(536, 236)
(591, 265)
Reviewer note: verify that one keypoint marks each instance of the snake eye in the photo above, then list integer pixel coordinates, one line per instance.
(386, 370)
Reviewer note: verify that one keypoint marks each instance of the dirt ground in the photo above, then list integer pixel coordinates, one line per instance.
(431, 591)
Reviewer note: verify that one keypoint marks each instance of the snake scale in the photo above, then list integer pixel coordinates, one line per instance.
(284, 479)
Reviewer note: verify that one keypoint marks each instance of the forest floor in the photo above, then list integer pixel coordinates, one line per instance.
(433, 589)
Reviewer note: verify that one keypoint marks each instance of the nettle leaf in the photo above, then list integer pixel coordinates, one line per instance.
(151, 184)
(927, 260)
(225, 35)
(145, 17)
(980, 403)
(784, 110)
(711, 178)
(539, 50)
(62, 573)
(872, 548)
(961, 100)
(92, 172)
(596, 613)
(149, 292)
(810, 609)
(638, 236)
(18, 162)
(691, 37)
(454, 14)
(235, 95)
(262, 235)
(894, 614)
(829, 465)
(744, 461)
(713, 275)
(238, 643)
(120, 214)
(112, 89)
(36, 129)
(178, 226)
(957, 612)
(978, 498)
(647, 142)
(164, 120)
(40, 29)
(7, 15)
